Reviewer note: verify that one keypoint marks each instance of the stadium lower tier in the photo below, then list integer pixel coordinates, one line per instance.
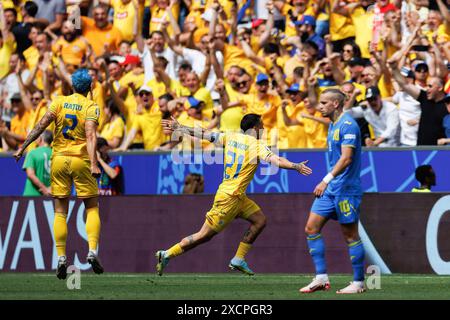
(401, 233)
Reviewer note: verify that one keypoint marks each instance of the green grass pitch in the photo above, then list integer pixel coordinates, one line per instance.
(212, 286)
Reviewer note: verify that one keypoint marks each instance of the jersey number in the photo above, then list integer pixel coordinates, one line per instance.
(231, 163)
(72, 117)
(344, 206)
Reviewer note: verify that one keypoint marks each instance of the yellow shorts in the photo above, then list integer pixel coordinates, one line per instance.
(65, 170)
(226, 208)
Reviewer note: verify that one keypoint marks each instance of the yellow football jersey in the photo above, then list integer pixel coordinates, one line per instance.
(242, 154)
(71, 114)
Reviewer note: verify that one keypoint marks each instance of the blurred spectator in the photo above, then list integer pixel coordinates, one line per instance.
(101, 35)
(114, 128)
(53, 11)
(193, 183)
(432, 103)
(446, 122)
(409, 113)
(37, 167)
(382, 116)
(110, 182)
(19, 124)
(426, 177)
(22, 30)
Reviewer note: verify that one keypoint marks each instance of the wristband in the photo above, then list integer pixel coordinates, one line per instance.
(328, 178)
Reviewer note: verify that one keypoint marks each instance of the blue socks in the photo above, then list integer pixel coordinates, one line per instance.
(356, 252)
(317, 251)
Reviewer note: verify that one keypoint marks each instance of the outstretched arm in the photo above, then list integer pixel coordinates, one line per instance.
(48, 118)
(172, 125)
(286, 164)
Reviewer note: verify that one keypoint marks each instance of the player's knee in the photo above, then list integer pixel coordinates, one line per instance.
(310, 230)
(262, 222)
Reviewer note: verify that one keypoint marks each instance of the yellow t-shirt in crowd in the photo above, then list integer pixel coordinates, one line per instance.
(290, 136)
(19, 125)
(98, 38)
(71, 113)
(114, 129)
(235, 56)
(290, 30)
(159, 88)
(9, 46)
(315, 132)
(71, 52)
(149, 125)
(363, 22)
(341, 27)
(159, 15)
(124, 17)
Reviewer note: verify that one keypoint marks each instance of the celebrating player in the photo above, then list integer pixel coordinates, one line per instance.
(242, 154)
(338, 195)
(74, 159)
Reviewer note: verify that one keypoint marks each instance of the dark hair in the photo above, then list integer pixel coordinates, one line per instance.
(249, 121)
(422, 172)
(162, 60)
(47, 136)
(355, 47)
(185, 65)
(298, 71)
(31, 8)
(271, 48)
(166, 96)
(47, 36)
(125, 41)
(13, 10)
(101, 142)
(113, 108)
(311, 44)
(156, 32)
(39, 25)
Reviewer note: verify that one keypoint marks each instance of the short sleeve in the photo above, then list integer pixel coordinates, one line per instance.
(30, 161)
(54, 107)
(218, 138)
(136, 124)
(264, 151)
(61, 7)
(349, 134)
(422, 97)
(118, 129)
(93, 113)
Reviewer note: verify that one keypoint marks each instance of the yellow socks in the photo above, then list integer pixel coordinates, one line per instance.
(93, 227)
(243, 249)
(60, 233)
(174, 251)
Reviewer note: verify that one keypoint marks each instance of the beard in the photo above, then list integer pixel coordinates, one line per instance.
(69, 37)
(304, 37)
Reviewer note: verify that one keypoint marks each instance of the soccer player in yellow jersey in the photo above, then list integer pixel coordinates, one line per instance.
(243, 152)
(74, 160)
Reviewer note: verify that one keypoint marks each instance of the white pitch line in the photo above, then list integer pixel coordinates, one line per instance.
(237, 276)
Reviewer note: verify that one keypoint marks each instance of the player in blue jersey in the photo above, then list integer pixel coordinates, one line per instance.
(338, 195)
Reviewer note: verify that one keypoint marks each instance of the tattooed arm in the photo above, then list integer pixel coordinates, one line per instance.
(48, 118)
(172, 125)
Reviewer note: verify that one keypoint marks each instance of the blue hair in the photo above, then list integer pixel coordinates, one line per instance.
(81, 81)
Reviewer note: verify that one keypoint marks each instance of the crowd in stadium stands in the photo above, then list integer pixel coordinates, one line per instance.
(209, 62)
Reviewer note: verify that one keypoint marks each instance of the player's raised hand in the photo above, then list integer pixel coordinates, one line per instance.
(320, 189)
(303, 168)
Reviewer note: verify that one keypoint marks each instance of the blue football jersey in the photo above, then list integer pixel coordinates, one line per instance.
(345, 132)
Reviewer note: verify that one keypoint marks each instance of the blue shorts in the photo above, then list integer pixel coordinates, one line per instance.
(345, 209)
